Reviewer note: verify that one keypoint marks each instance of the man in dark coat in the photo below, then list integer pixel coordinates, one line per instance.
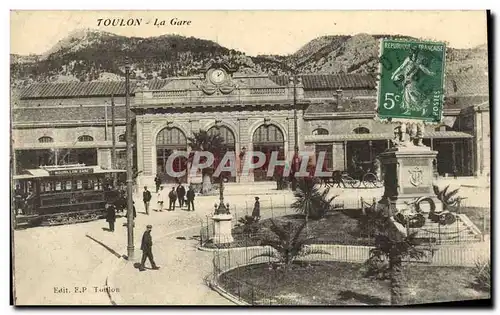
(147, 250)
(172, 196)
(157, 182)
(146, 197)
(181, 193)
(190, 198)
(111, 216)
(256, 209)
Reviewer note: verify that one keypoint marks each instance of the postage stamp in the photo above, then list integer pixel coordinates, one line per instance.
(411, 84)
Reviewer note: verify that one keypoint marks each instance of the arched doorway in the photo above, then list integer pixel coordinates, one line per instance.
(267, 139)
(168, 141)
(230, 146)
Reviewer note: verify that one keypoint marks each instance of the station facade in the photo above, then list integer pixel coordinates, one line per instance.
(62, 123)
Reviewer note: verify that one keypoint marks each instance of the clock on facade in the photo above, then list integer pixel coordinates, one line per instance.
(217, 76)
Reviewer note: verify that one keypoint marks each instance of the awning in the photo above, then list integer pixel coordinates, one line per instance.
(446, 135)
(384, 136)
(19, 145)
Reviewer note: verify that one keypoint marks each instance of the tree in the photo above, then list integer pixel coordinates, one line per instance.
(448, 198)
(213, 143)
(310, 201)
(392, 246)
(289, 245)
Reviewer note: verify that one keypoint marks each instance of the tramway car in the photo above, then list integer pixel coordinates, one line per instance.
(62, 194)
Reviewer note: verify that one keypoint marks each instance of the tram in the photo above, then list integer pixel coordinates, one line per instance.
(62, 194)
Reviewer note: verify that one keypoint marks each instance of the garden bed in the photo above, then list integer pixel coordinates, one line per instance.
(340, 283)
(336, 228)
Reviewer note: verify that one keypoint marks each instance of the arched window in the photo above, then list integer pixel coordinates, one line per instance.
(225, 134)
(228, 146)
(45, 139)
(361, 130)
(320, 131)
(171, 137)
(122, 138)
(85, 138)
(268, 134)
(168, 141)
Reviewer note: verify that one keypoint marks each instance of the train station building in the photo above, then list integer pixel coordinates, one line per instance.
(63, 123)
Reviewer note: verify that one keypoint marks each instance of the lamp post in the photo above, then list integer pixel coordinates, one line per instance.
(296, 133)
(128, 134)
(222, 219)
(295, 127)
(221, 208)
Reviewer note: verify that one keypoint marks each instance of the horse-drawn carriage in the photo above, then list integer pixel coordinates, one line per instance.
(360, 174)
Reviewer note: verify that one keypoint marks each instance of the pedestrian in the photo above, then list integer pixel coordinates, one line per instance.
(181, 193)
(134, 214)
(190, 198)
(157, 182)
(172, 196)
(146, 198)
(256, 210)
(159, 198)
(110, 216)
(147, 249)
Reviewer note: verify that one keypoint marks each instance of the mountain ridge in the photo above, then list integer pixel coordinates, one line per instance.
(93, 55)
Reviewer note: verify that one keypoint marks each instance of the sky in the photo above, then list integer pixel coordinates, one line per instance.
(252, 32)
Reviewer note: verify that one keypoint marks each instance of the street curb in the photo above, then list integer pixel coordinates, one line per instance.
(115, 297)
(215, 286)
(206, 249)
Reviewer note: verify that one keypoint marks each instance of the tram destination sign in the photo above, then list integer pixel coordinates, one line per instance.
(87, 170)
(411, 83)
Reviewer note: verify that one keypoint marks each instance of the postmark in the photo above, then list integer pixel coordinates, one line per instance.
(411, 83)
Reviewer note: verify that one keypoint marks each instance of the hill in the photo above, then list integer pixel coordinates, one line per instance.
(89, 55)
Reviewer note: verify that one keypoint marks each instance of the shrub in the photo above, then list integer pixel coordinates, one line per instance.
(482, 274)
(249, 224)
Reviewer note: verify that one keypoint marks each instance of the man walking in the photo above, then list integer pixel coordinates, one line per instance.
(172, 196)
(146, 197)
(111, 216)
(181, 193)
(147, 249)
(190, 198)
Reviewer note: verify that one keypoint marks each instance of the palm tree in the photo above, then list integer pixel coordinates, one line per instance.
(391, 246)
(448, 198)
(213, 143)
(289, 244)
(310, 201)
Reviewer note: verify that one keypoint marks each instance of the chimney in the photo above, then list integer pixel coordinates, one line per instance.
(339, 99)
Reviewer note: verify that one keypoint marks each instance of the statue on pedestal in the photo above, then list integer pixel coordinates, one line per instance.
(408, 135)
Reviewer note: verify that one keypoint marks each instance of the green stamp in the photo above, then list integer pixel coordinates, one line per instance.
(411, 84)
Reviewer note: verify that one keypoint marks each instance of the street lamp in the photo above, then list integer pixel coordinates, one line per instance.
(128, 134)
(293, 80)
(221, 208)
(296, 134)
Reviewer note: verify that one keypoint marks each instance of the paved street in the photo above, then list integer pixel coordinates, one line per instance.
(50, 259)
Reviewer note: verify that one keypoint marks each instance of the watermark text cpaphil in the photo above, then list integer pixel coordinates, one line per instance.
(140, 21)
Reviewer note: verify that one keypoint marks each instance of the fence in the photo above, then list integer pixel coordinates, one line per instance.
(468, 226)
(246, 292)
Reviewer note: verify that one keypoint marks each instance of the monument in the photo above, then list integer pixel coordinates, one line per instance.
(408, 168)
(222, 220)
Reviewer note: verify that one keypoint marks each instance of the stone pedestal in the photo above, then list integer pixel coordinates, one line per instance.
(408, 174)
(222, 229)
